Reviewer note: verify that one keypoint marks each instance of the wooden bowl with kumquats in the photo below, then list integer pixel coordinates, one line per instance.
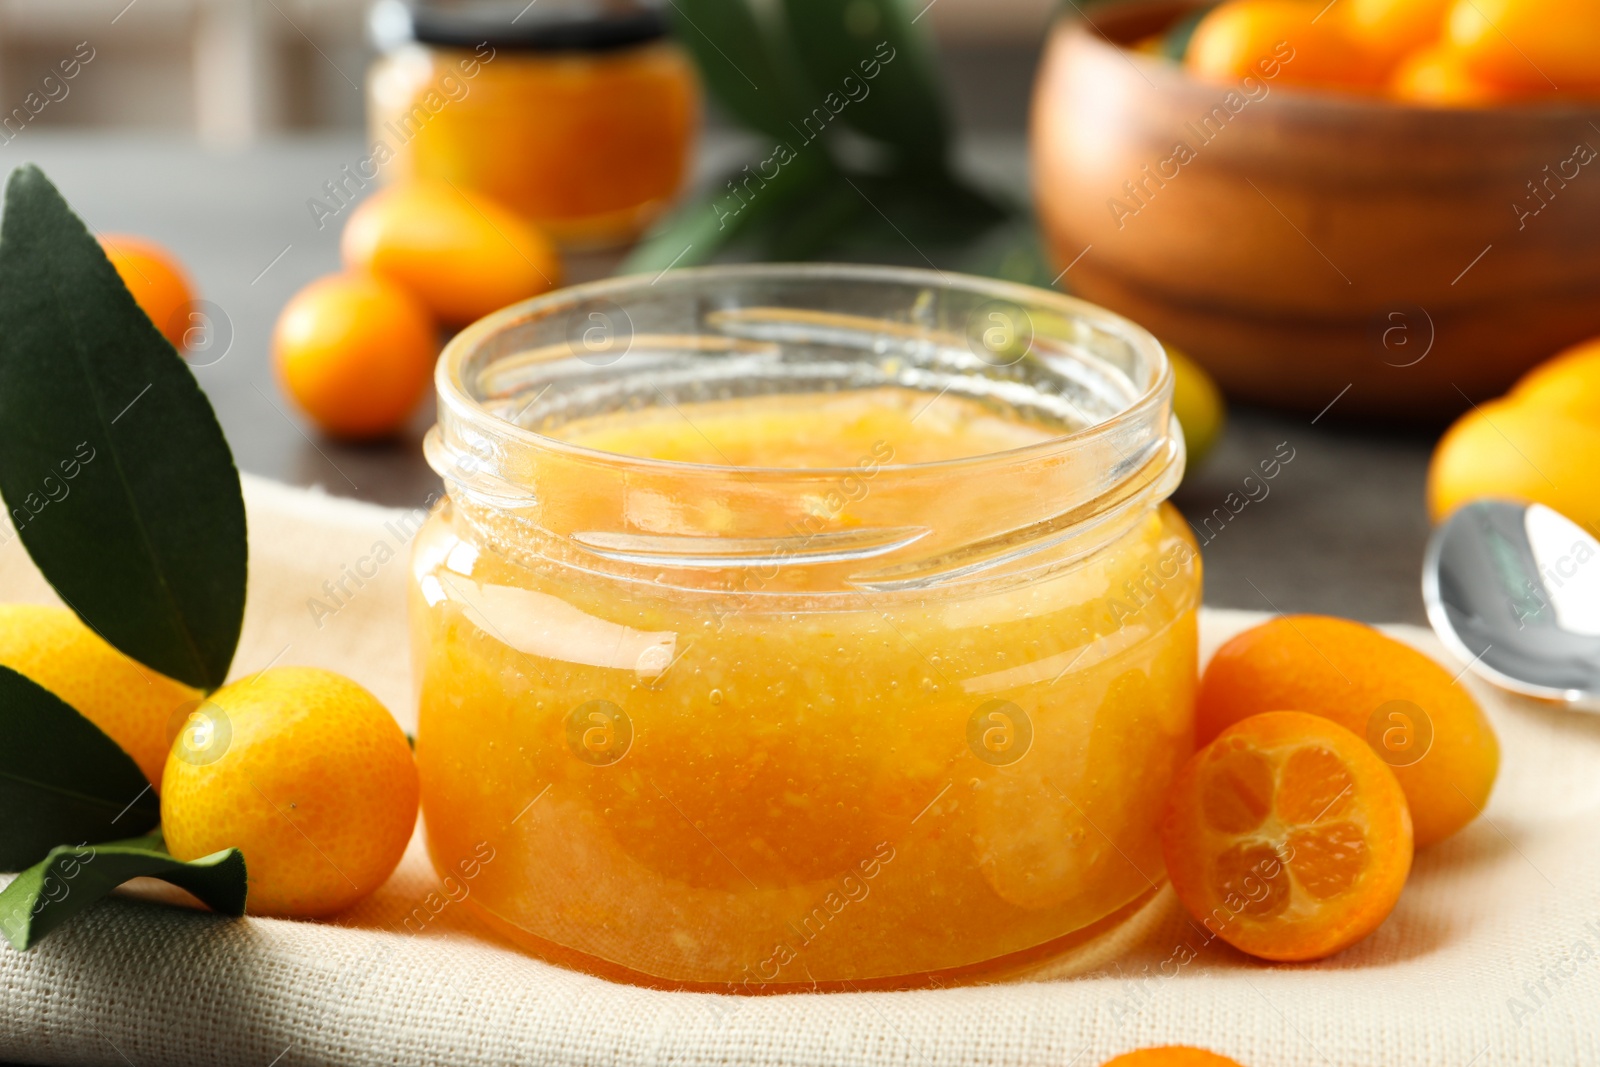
(1401, 216)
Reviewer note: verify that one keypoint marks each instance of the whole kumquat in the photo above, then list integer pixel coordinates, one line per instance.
(355, 353)
(1419, 721)
(305, 773)
(460, 252)
(1287, 837)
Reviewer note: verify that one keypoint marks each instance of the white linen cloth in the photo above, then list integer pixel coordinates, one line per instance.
(1492, 957)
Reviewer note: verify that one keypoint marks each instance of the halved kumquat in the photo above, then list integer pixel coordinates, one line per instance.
(1171, 1056)
(1287, 837)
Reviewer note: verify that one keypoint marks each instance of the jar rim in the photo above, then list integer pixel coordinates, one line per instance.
(457, 399)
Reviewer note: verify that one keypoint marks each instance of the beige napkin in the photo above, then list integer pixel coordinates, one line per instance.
(1493, 956)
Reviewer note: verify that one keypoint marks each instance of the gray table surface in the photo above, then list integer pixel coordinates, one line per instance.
(1340, 530)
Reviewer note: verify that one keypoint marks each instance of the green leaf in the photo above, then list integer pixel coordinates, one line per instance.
(713, 222)
(872, 63)
(72, 877)
(816, 224)
(749, 72)
(693, 235)
(61, 778)
(111, 460)
(1012, 252)
(915, 219)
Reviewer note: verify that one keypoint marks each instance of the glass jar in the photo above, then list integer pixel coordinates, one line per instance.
(580, 116)
(758, 725)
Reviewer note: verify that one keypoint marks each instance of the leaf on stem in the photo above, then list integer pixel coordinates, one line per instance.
(72, 877)
(872, 64)
(61, 778)
(112, 464)
(750, 73)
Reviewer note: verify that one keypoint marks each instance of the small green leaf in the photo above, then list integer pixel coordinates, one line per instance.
(873, 64)
(61, 778)
(112, 464)
(72, 877)
(751, 74)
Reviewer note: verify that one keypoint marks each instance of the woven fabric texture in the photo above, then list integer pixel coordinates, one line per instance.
(1492, 957)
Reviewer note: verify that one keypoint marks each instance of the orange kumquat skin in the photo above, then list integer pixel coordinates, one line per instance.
(156, 279)
(355, 353)
(1283, 39)
(459, 252)
(304, 772)
(1425, 726)
(1287, 837)
(1540, 443)
(1568, 383)
(1543, 46)
(134, 705)
(1438, 76)
(1391, 28)
(1171, 1056)
(1508, 449)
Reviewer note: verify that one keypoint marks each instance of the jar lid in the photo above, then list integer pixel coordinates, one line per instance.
(535, 25)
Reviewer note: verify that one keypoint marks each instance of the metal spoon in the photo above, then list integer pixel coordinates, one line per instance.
(1515, 590)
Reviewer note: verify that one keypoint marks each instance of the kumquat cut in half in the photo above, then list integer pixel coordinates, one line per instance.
(1287, 837)
(1171, 1056)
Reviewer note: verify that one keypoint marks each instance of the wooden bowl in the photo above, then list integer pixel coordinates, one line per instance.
(1310, 245)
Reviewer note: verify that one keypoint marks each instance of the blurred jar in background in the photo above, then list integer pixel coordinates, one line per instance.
(578, 114)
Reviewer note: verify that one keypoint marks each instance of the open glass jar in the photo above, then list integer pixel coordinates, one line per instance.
(887, 691)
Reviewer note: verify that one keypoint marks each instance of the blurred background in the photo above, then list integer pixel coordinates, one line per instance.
(232, 72)
(1309, 260)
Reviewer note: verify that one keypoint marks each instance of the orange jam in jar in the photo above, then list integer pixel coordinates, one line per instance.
(579, 116)
(799, 627)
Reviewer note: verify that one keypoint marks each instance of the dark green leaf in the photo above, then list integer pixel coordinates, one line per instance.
(61, 778)
(872, 64)
(693, 235)
(711, 223)
(71, 878)
(817, 224)
(752, 75)
(1012, 252)
(112, 464)
(914, 219)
